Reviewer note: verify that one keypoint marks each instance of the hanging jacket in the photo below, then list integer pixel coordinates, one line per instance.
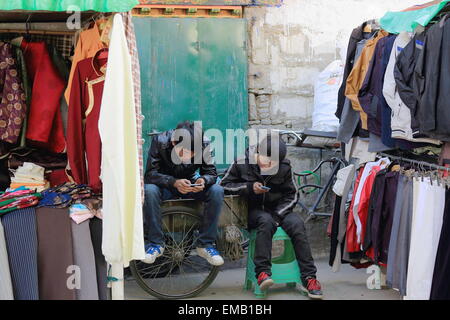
(163, 172)
(404, 74)
(357, 35)
(350, 236)
(370, 96)
(283, 195)
(432, 72)
(401, 114)
(45, 127)
(84, 146)
(349, 125)
(13, 107)
(358, 74)
(89, 43)
(372, 99)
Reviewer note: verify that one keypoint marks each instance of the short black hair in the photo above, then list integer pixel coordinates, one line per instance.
(190, 131)
(277, 150)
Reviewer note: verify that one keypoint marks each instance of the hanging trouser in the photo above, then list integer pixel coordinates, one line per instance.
(55, 255)
(6, 289)
(22, 242)
(95, 226)
(84, 259)
(397, 266)
(441, 277)
(425, 233)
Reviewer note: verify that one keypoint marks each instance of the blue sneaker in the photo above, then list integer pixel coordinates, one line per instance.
(211, 255)
(152, 253)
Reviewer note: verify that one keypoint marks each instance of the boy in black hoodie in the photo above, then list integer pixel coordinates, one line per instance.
(265, 178)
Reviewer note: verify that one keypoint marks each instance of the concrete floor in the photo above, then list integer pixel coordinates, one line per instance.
(348, 284)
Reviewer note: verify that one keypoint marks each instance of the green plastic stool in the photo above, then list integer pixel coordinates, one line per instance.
(284, 268)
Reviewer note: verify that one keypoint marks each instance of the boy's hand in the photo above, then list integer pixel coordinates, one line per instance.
(183, 186)
(199, 188)
(257, 188)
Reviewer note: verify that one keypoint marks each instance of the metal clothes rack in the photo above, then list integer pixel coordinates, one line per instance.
(43, 32)
(422, 164)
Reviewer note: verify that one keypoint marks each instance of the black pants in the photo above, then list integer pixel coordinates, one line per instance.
(266, 227)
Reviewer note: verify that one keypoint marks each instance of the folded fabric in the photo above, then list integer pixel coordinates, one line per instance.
(14, 193)
(38, 187)
(54, 199)
(40, 157)
(95, 206)
(30, 171)
(64, 195)
(19, 203)
(80, 213)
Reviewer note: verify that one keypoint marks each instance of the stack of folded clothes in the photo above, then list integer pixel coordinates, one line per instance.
(19, 198)
(31, 176)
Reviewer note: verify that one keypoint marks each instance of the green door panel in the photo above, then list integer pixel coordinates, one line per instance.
(222, 61)
(192, 69)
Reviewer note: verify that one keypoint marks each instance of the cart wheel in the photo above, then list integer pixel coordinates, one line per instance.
(179, 273)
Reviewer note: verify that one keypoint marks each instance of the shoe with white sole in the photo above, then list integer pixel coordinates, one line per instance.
(211, 255)
(265, 281)
(312, 288)
(152, 253)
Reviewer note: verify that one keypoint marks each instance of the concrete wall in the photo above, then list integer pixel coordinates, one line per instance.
(290, 45)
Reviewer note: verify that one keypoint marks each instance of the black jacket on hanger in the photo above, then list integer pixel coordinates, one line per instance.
(433, 72)
(404, 75)
(356, 36)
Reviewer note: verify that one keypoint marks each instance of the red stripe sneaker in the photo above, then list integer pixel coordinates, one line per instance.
(313, 288)
(264, 281)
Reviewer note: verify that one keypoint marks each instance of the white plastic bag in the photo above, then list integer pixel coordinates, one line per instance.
(325, 97)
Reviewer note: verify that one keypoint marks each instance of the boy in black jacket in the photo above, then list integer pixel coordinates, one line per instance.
(175, 169)
(265, 178)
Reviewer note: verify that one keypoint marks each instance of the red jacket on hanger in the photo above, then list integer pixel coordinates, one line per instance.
(363, 208)
(351, 225)
(83, 138)
(45, 127)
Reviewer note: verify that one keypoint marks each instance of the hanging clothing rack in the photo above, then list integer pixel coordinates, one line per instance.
(420, 163)
(43, 32)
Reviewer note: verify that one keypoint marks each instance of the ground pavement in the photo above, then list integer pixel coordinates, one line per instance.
(347, 284)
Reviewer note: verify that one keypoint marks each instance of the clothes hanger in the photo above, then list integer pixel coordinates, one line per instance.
(27, 36)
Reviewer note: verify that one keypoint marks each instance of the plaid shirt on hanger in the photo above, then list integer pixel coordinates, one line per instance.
(132, 47)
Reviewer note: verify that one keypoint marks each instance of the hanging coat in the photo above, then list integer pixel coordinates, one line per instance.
(123, 238)
(45, 127)
(83, 138)
(13, 108)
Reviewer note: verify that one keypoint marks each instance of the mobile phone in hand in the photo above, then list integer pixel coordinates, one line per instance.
(196, 185)
(265, 188)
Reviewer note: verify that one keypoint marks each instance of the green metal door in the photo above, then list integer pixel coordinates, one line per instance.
(192, 69)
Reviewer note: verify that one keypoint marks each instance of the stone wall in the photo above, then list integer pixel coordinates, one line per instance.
(290, 45)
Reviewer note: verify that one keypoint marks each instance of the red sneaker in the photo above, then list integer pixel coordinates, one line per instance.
(264, 281)
(313, 288)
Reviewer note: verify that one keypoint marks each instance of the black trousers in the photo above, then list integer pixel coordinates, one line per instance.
(266, 226)
(441, 276)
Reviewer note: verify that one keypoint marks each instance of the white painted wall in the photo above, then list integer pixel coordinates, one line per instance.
(290, 45)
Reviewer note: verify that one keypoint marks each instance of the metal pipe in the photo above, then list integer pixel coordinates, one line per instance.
(423, 163)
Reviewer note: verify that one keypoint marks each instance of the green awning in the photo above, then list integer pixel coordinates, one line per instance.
(396, 22)
(64, 5)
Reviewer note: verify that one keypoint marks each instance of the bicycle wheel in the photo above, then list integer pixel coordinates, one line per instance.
(179, 273)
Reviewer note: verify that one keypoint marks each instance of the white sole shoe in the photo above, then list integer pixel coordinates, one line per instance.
(266, 284)
(151, 258)
(212, 260)
(312, 296)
